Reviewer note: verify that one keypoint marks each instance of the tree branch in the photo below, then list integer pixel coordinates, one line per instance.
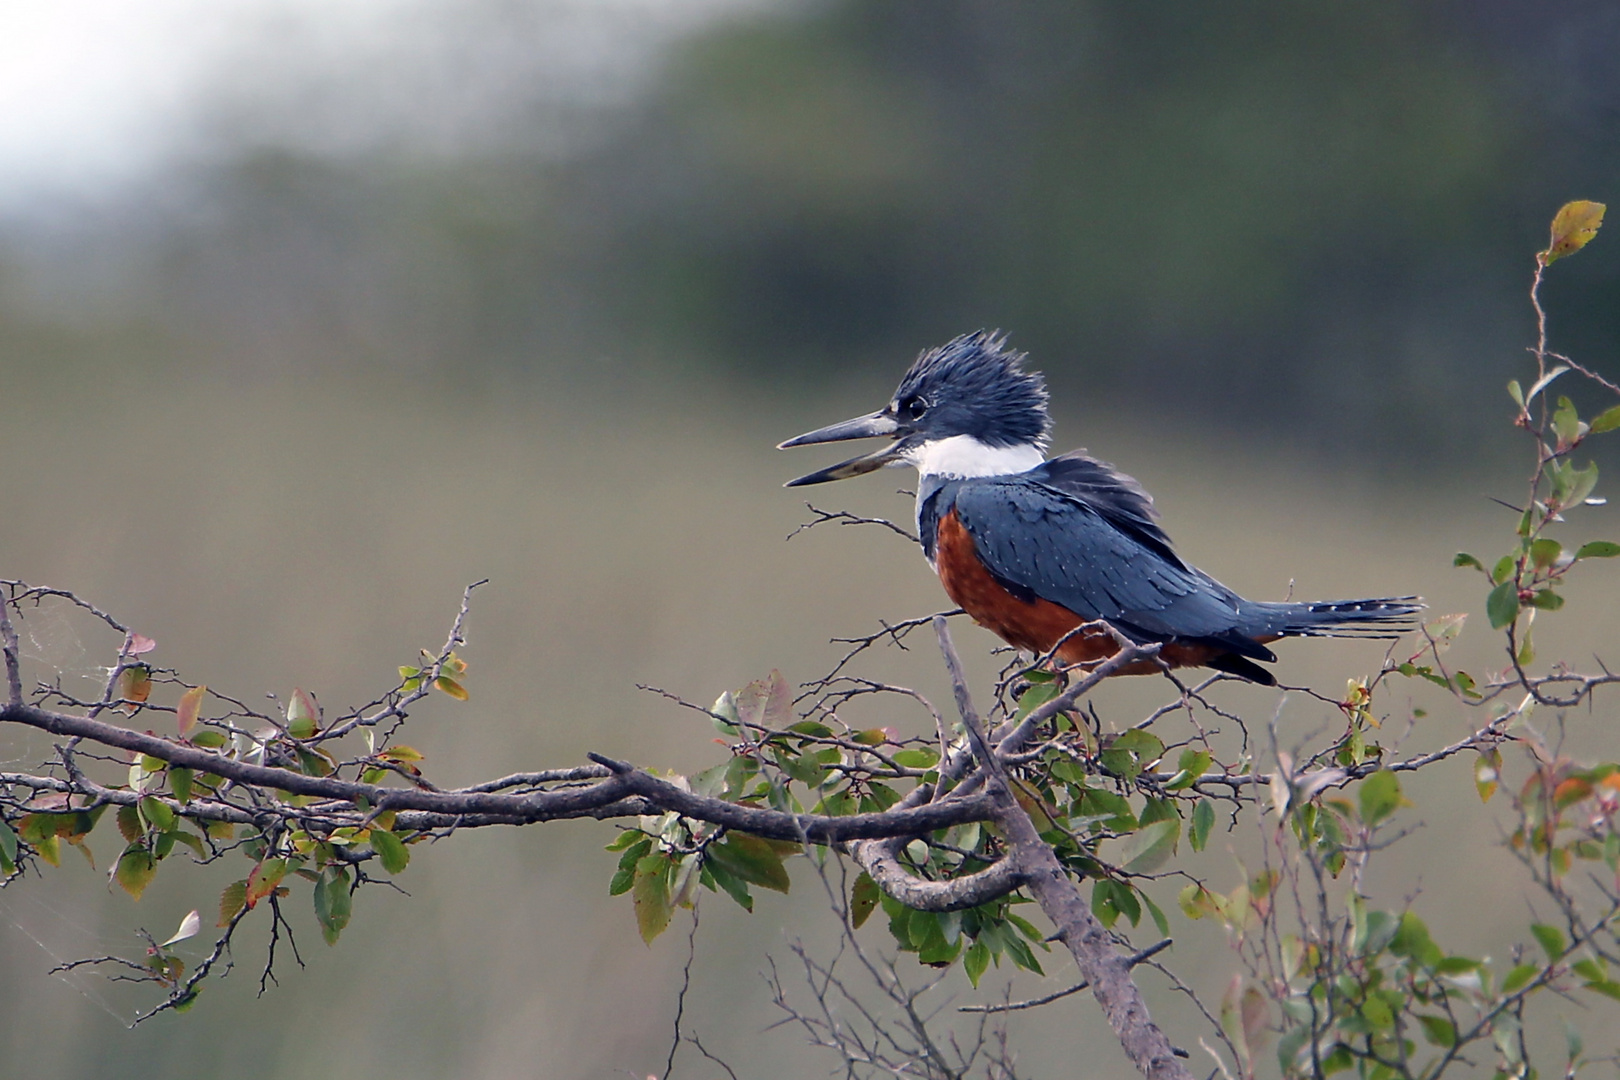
(1108, 972)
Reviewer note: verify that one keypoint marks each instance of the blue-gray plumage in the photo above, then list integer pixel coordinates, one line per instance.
(1033, 548)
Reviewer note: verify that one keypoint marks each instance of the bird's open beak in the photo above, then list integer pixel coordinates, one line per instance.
(870, 426)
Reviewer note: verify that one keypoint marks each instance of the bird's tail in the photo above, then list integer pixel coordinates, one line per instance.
(1386, 617)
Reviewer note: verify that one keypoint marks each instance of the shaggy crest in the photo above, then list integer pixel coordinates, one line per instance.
(975, 385)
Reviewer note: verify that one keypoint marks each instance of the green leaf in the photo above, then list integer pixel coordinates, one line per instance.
(1196, 902)
(1598, 549)
(8, 847)
(135, 870)
(1572, 229)
(391, 851)
(1147, 849)
(1589, 969)
(1566, 422)
(863, 898)
(1380, 794)
(1438, 1030)
(209, 739)
(1545, 552)
(1519, 977)
(333, 903)
(1192, 765)
(191, 841)
(1290, 1049)
(1573, 1044)
(1456, 965)
(1036, 695)
(1375, 1010)
(975, 962)
(1582, 482)
(1158, 916)
(1607, 420)
(751, 859)
(157, 813)
(1203, 819)
(1412, 940)
(1547, 600)
(1464, 559)
(1503, 569)
(1550, 938)
(1516, 392)
(1608, 988)
(915, 759)
(1503, 604)
(180, 783)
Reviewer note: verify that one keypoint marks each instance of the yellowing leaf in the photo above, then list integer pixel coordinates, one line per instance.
(134, 687)
(863, 898)
(303, 715)
(651, 896)
(1572, 228)
(135, 870)
(451, 687)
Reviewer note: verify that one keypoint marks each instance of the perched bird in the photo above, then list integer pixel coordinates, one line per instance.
(1034, 548)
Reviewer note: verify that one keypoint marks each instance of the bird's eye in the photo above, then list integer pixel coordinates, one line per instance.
(913, 408)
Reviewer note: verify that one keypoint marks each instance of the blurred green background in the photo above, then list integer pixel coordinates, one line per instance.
(400, 301)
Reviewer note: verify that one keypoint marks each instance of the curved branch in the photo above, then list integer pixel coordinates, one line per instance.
(879, 858)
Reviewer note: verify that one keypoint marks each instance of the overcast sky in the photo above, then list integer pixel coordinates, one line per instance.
(95, 93)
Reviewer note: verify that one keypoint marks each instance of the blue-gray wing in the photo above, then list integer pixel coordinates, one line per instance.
(1062, 546)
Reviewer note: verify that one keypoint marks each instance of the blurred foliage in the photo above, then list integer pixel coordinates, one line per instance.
(1293, 220)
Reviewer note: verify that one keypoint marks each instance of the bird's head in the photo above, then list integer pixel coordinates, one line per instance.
(967, 408)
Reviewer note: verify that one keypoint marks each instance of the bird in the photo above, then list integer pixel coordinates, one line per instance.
(1041, 551)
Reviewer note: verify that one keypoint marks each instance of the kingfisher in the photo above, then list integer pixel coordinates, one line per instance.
(1042, 552)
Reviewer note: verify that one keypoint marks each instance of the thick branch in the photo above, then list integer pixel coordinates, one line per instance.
(1108, 972)
(814, 828)
(627, 792)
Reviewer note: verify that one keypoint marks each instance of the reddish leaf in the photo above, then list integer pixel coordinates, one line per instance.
(190, 707)
(264, 879)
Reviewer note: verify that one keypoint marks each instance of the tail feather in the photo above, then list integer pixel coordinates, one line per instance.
(1385, 617)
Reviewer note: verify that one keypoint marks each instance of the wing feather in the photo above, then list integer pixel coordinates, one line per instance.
(1100, 561)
